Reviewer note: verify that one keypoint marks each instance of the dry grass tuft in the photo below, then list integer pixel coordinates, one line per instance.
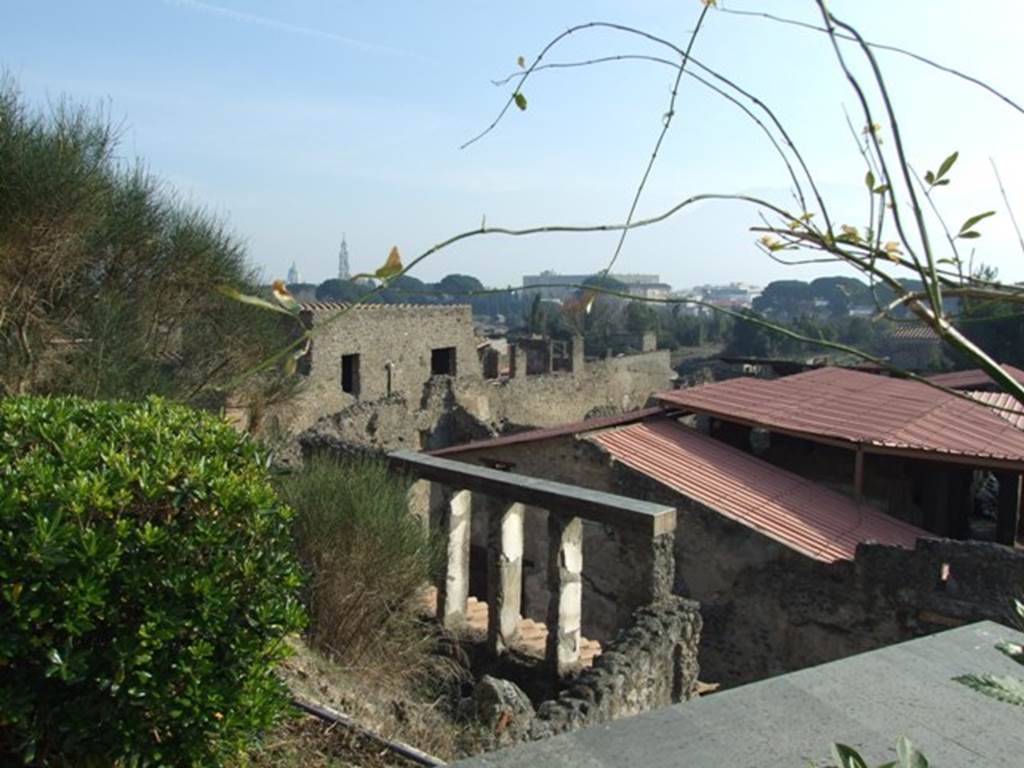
(368, 652)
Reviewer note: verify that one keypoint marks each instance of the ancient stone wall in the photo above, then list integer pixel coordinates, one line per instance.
(614, 385)
(394, 344)
(449, 410)
(652, 663)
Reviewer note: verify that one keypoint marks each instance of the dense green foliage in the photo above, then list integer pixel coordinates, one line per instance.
(148, 584)
(107, 281)
(366, 557)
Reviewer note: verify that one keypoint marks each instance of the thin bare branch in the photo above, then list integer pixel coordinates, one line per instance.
(666, 123)
(884, 47)
(1006, 202)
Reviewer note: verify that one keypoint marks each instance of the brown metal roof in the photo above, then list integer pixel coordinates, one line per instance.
(547, 433)
(1004, 405)
(797, 512)
(975, 378)
(882, 414)
(373, 303)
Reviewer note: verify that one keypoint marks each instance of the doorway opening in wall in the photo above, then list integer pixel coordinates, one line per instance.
(350, 374)
(442, 361)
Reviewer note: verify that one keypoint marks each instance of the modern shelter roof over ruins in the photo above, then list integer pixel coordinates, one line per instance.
(796, 512)
(878, 413)
(975, 378)
(547, 433)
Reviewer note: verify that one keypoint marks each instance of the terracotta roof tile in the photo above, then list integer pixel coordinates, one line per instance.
(790, 509)
(862, 409)
(974, 378)
(547, 433)
(1003, 405)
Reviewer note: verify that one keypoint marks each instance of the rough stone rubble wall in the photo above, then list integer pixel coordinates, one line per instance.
(652, 663)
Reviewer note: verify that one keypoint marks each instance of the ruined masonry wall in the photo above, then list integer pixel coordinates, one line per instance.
(652, 663)
(613, 385)
(402, 335)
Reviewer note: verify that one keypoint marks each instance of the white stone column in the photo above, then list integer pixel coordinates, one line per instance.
(454, 588)
(504, 574)
(565, 609)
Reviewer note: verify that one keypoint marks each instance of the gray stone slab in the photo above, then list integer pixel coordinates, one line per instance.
(598, 506)
(866, 701)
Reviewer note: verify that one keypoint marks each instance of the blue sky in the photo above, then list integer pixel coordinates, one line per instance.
(298, 121)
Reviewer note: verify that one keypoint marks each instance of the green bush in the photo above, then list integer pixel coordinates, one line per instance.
(366, 557)
(147, 584)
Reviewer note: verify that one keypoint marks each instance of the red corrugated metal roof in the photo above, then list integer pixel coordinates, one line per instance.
(1004, 405)
(797, 512)
(863, 409)
(972, 379)
(547, 433)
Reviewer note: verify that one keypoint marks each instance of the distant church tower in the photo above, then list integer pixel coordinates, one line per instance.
(344, 273)
(293, 275)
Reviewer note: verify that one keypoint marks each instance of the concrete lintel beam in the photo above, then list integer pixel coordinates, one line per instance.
(606, 508)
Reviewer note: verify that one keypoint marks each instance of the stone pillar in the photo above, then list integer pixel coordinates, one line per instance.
(578, 360)
(649, 341)
(513, 354)
(1009, 507)
(504, 574)
(565, 571)
(651, 564)
(453, 592)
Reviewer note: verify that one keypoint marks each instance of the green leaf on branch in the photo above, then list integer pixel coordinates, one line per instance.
(908, 754)
(969, 234)
(392, 267)
(847, 757)
(255, 301)
(869, 181)
(881, 189)
(929, 177)
(520, 101)
(946, 165)
(975, 219)
(521, 62)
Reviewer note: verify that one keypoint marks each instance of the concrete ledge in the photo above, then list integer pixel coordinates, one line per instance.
(597, 506)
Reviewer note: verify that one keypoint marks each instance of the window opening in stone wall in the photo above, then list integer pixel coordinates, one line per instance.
(388, 368)
(350, 374)
(442, 361)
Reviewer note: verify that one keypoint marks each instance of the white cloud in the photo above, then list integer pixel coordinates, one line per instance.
(264, 21)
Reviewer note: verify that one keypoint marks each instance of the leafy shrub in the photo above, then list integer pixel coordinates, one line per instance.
(366, 556)
(99, 251)
(146, 583)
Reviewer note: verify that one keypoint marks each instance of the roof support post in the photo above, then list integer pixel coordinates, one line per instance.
(504, 573)
(453, 591)
(565, 584)
(1008, 517)
(858, 474)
